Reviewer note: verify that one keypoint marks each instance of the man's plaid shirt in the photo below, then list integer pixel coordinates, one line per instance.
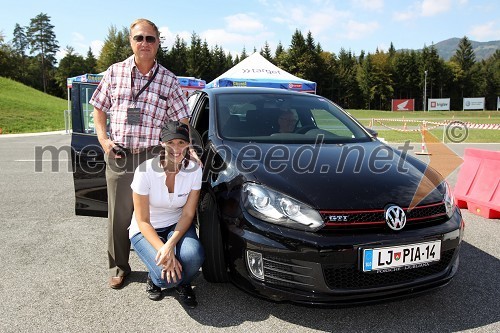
(162, 101)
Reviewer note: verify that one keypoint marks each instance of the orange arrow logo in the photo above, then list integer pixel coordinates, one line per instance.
(442, 159)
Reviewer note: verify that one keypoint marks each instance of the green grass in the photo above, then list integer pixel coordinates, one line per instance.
(393, 120)
(27, 110)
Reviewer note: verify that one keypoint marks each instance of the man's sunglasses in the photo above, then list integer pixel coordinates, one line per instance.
(149, 39)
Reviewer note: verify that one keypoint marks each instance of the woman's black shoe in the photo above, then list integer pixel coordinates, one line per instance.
(186, 295)
(154, 292)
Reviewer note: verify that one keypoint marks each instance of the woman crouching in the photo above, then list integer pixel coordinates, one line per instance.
(165, 193)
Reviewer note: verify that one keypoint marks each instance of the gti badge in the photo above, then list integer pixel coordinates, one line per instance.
(395, 217)
(337, 218)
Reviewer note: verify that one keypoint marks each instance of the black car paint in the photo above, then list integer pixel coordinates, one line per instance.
(87, 159)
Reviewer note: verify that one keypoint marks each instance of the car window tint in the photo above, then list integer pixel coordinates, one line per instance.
(274, 118)
(86, 109)
(325, 121)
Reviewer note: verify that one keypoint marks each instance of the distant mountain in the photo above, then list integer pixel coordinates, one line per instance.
(483, 50)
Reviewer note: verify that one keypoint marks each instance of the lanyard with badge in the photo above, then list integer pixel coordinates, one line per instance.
(134, 113)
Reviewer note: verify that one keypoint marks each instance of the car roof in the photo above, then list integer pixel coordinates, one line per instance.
(251, 90)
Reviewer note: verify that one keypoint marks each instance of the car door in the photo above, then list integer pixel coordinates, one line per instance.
(87, 155)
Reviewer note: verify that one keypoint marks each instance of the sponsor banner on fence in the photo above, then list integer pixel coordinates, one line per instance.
(403, 105)
(476, 103)
(439, 104)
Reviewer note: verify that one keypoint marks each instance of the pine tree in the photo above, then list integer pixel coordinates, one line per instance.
(90, 62)
(266, 52)
(177, 57)
(20, 41)
(194, 56)
(464, 55)
(43, 44)
(20, 44)
(243, 54)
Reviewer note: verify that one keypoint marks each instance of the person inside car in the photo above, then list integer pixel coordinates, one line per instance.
(287, 120)
(166, 189)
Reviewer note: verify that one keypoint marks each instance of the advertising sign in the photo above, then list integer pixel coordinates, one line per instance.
(403, 105)
(477, 103)
(439, 104)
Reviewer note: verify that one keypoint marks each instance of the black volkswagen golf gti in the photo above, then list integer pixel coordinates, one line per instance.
(302, 203)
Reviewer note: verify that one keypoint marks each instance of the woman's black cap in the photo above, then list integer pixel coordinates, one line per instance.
(174, 130)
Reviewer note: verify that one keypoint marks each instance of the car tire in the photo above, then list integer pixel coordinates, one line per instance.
(214, 267)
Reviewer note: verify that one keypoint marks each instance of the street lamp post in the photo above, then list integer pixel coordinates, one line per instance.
(425, 90)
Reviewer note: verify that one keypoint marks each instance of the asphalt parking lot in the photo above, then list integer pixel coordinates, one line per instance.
(53, 275)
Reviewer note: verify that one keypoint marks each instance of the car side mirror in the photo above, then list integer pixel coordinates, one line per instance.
(372, 132)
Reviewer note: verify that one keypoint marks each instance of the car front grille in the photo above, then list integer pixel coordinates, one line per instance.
(348, 277)
(347, 219)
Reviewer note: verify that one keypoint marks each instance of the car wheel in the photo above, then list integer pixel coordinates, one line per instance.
(214, 266)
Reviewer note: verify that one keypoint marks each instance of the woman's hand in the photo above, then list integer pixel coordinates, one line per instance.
(165, 254)
(172, 272)
(172, 268)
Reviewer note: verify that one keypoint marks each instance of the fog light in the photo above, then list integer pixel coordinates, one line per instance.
(255, 264)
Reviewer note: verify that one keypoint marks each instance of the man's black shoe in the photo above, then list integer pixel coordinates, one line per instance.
(154, 292)
(186, 295)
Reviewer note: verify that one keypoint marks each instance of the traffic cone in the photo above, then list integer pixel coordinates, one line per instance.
(424, 150)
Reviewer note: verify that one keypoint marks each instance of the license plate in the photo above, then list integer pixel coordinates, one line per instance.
(401, 257)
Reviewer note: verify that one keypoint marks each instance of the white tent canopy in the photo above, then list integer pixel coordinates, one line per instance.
(257, 71)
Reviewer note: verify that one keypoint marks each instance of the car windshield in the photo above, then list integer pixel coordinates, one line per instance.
(272, 118)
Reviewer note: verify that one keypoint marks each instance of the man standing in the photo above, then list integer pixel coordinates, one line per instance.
(138, 96)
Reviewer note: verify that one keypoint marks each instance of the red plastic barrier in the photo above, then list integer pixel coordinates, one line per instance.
(478, 183)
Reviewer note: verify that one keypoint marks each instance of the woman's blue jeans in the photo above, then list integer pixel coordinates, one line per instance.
(189, 252)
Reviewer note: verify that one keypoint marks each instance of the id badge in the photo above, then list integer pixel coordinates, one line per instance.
(133, 116)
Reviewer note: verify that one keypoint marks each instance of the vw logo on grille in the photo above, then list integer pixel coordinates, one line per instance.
(395, 217)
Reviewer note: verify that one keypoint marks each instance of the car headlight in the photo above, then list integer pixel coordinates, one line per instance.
(449, 199)
(274, 207)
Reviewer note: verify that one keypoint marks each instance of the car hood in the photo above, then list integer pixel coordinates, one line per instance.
(367, 175)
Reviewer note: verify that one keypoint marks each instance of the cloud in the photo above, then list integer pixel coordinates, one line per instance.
(321, 18)
(243, 23)
(403, 16)
(234, 40)
(434, 7)
(239, 30)
(425, 8)
(485, 32)
(96, 47)
(369, 4)
(357, 30)
(168, 37)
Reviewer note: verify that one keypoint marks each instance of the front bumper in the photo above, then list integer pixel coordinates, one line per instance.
(326, 269)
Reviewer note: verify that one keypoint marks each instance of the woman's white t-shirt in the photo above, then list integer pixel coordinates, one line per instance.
(165, 208)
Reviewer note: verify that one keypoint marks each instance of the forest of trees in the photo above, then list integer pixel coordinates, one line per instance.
(364, 81)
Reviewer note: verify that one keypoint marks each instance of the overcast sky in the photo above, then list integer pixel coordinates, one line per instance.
(350, 24)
